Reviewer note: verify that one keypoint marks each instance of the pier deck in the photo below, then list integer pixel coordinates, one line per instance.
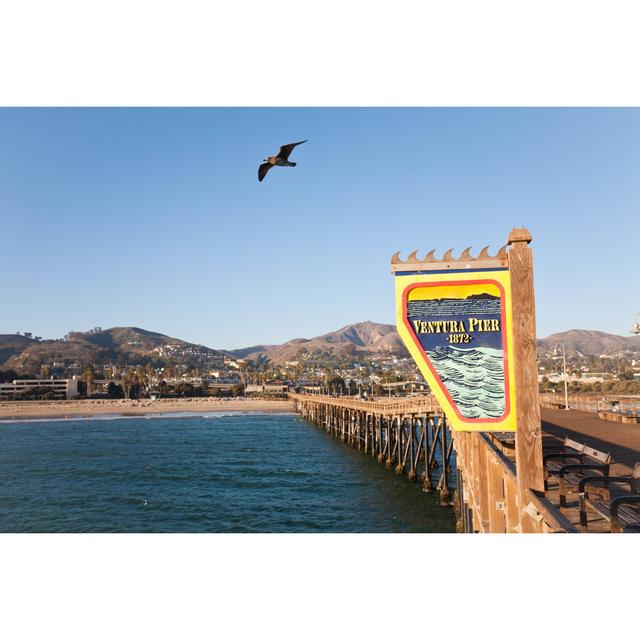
(621, 440)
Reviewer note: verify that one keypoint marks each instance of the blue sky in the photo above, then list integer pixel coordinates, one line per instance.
(155, 217)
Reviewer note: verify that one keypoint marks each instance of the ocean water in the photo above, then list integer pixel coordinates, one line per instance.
(474, 378)
(202, 473)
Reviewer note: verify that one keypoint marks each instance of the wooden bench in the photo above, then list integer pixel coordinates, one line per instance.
(571, 465)
(569, 476)
(555, 459)
(619, 417)
(623, 516)
(504, 440)
(619, 512)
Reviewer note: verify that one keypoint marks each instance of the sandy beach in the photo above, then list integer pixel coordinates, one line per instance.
(80, 408)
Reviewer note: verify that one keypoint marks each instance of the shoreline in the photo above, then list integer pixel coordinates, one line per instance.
(60, 409)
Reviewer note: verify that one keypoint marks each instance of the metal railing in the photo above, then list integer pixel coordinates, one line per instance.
(622, 405)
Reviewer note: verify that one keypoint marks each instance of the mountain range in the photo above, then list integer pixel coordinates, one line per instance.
(375, 338)
(584, 343)
(365, 338)
(133, 346)
(119, 346)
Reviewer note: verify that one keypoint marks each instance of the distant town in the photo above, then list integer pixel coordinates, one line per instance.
(365, 359)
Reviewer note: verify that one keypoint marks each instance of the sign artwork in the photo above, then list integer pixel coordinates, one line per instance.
(456, 324)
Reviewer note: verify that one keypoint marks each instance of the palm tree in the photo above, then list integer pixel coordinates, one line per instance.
(88, 375)
(243, 373)
(127, 382)
(141, 377)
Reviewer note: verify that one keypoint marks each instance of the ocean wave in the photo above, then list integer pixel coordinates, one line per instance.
(473, 377)
(146, 416)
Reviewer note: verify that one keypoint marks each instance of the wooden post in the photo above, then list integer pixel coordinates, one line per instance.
(388, 463)
(528, 428)
(374, 436)
(427, 487)
(511, 510)
(400, 441)
(480, 453)
(413, 476)
(497, 523)
(445, 498)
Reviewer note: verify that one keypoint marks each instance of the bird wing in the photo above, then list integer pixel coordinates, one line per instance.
(262, 170)
(286, 149)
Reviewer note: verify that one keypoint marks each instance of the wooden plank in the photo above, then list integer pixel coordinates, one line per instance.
(597, 455)
(551, 515)
(489, 263)
(475, 483)
(574, 444)
(505, 463)
(480, 452)
(526, 394)
(512, 514)
(496, 506)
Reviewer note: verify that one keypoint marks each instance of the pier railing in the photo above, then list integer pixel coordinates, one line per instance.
(611, 407)
(379, 405)
(488, 491)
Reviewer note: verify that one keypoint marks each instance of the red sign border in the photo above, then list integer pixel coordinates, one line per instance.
(505, 351)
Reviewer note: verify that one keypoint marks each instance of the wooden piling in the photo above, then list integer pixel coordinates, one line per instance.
(529, 468)
(410, 434)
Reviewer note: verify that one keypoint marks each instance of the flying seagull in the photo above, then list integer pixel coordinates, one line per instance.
(281, 160)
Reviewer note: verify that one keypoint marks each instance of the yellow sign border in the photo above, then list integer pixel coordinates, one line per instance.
(502, 276)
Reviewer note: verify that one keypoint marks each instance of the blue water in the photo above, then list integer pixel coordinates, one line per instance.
(208, 473)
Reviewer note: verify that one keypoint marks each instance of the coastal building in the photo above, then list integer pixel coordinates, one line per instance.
(65, 389)
(583, 378)
(267, 389)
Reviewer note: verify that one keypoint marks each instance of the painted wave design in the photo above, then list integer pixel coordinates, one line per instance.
(453, 307)
(473, 377)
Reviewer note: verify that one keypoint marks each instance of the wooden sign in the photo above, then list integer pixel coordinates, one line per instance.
(454, 316)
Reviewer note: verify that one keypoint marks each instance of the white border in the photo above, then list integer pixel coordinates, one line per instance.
(308, 586)
(288, 52)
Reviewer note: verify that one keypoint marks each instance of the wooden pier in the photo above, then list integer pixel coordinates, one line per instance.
(409, 436)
